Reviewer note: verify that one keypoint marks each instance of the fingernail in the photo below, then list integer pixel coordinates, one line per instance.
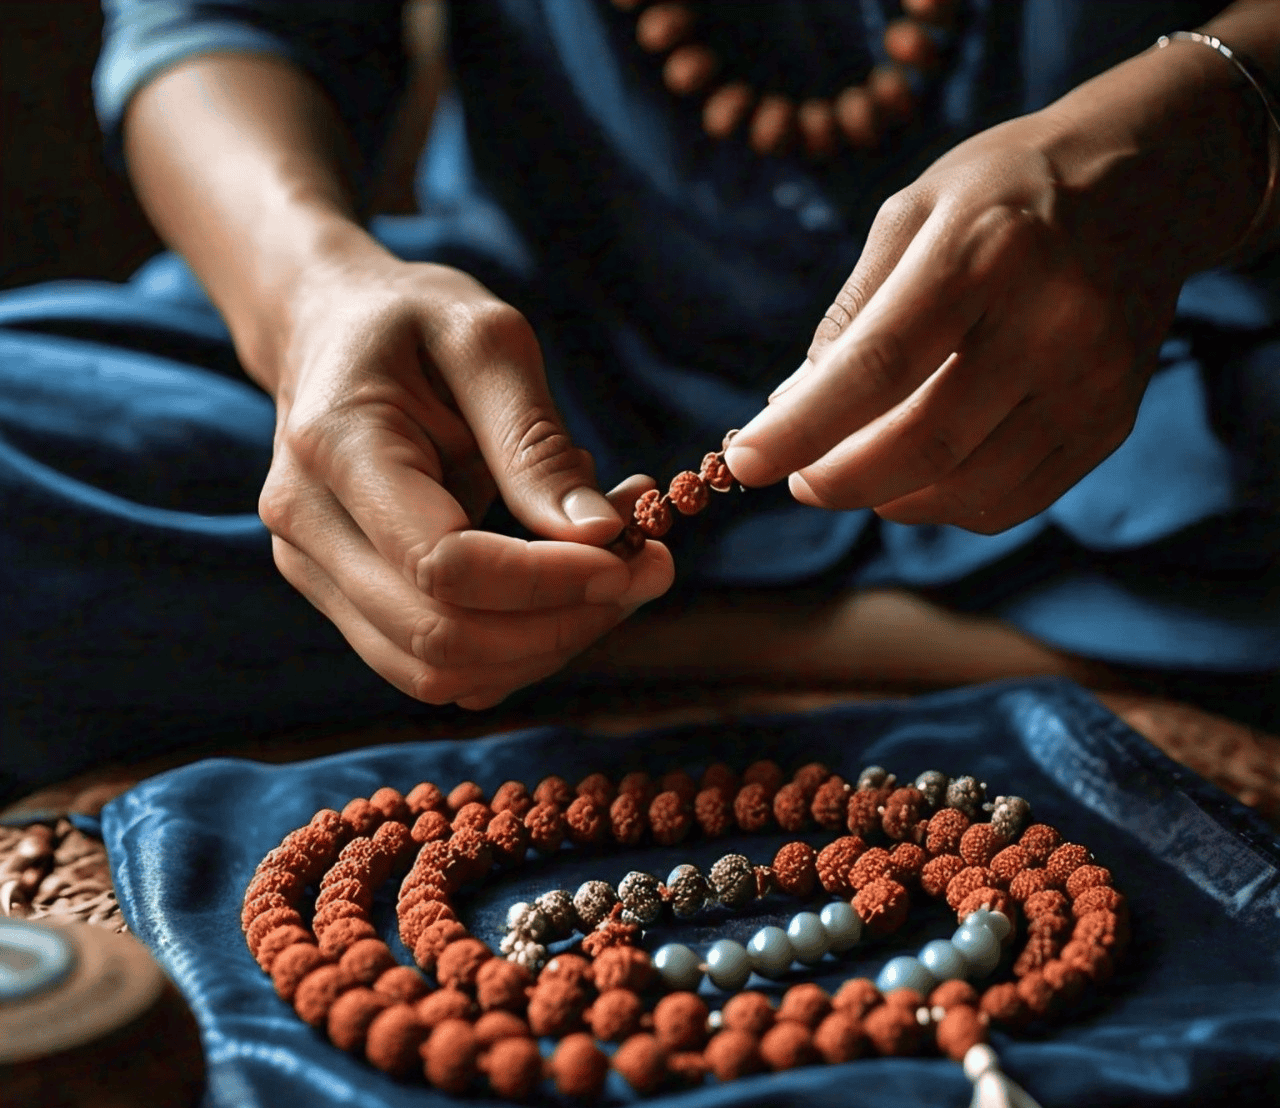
(805, 366)
(744, 462)
(585, 505)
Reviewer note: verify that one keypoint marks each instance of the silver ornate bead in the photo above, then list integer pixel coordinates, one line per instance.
(1010, 815)
(967, 794)
(874, 777)
(558, 910)
(733, 879)
(593, 901)
(641, 902)
(689, 891)
(933, 784)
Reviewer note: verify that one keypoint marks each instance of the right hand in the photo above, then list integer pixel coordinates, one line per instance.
(409, 396)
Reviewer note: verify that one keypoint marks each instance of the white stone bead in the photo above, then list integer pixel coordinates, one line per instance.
(979, 946)
(808, 938)
(998, 922)
(943, 960)
(842, 925)
(770, 952)
(679, 966)
(905, 972)
(728, 965)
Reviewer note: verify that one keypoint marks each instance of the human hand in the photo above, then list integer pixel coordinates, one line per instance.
(409, 397)
(991, 346)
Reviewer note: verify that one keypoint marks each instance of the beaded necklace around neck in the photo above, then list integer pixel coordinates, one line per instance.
(858, 116)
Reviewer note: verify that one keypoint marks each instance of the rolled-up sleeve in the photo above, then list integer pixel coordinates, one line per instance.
(353, 48)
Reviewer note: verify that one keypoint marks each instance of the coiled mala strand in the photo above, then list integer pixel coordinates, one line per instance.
(484, 1014)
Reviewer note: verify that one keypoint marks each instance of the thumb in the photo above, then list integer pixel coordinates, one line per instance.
(546, 481)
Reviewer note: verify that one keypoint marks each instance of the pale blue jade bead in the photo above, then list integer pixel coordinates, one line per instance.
(678, 966)
(979, 946)
(997, 921)
(728, 965)
(943, 960)
(842, 925)
(905, 972)
(770, 952)
(808, 938)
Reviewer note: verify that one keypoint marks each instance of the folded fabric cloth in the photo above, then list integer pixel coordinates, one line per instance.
(1191, 1017)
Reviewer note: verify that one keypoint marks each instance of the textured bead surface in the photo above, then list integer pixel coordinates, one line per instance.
(733, 879)
(641, 903)
(679, 966)
(689, 891)
(728, 965)
(966, 794)
(842, 925)
(770, 952)
(905, 972)
(807, 937)
(593, 901)
(1010, 815)
(933, 785)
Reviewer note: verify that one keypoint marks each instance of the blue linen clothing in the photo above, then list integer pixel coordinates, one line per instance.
(672, 281)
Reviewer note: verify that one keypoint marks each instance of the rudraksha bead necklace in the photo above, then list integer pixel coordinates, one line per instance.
(341, 977)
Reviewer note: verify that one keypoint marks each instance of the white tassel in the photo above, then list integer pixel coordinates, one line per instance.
(992, 1087)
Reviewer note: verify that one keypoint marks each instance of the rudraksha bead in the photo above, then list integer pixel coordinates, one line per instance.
(937, 873)
(764, 772)
(805, 1003)
(513, 797)
(343, 934)
(712, 811)
(752, 807)
(839, 1039)
(750, 1011)
(1087, 877)
(497, 1024)
(795, 869)
(951, 993)
(501, 984)
(615, 1014)
(449, 1056)
(460, 962)
(871, 864)
(1003, 1004)
(906, 863)
(351, 1015)
(401, 985)
(579, 1067)
(293, 964)
(622, 967)
(1040, 840)
(546, 827)
(1044, 903)
(555, 1007)
(514, 1068)
(862, 812)
(669, 818)
(593, 901)
(946, 827)
(1099, 898)
(425, 797)
(892, 1029)
(882, 905)
(1031, 881)
(961, 1028)
(642, 1062)
(716, 473)
(720, 776)
(856, 997)
(431, 826)
(834, 862)
(791, 808)
(1068, 858)
(652, 515)
(599, 788)
(393, 1039)
(902, 811)
(831, 804)
(733, 879)
(980, 843)
(444, 1004)
(627, 822)
(992, 899)
(787, 1045)
(280, 939)
(474, 815)
(317, 991)
(733, 1054)
(680, 1021)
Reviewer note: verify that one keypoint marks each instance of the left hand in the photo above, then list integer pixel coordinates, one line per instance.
(991, 346)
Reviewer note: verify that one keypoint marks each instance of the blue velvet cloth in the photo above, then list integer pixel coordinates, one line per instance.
(672, 282)
(1191, 1018)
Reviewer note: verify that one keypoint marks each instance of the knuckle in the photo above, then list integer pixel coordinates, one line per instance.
(898, 210)
(880, 361)
(433, 639)
(278, 507)
(937, 453)
(488, 324)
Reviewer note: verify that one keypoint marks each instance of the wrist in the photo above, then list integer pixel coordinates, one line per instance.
(1169, 147)
(302, 260)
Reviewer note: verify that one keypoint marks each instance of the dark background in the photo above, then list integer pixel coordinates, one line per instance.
(63, 212)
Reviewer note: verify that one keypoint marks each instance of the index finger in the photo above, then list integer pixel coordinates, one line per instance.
(912, 323)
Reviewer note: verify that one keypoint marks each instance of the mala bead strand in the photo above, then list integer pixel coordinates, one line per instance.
(341, 978)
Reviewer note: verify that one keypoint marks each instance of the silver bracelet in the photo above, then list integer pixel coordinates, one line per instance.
(1263, 214)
